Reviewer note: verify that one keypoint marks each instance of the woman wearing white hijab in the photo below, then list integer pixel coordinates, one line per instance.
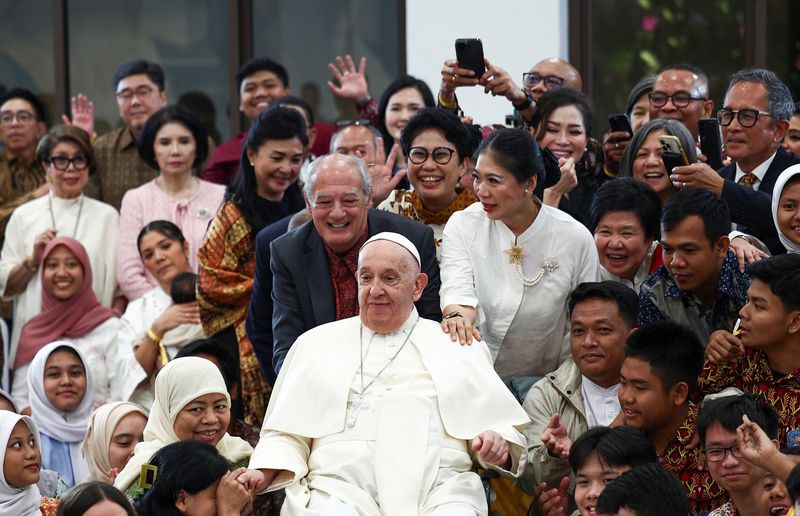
(786, 211)
(103, 431)
(191, 402)
(69, 384)
(19, 495)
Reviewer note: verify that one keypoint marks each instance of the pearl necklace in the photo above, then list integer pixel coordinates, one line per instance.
(516, 253)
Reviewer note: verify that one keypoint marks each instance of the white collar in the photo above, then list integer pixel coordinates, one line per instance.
(404, 328)
(593, 389)
(760, 171)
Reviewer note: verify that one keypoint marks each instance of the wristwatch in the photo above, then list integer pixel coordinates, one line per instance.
(454, 313)
(525, 103)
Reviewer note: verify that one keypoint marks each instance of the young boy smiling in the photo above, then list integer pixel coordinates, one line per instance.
(764, 358)
(717, 424)
(662, 362)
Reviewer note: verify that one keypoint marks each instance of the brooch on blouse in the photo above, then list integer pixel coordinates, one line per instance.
(515, 254)
(202, 214)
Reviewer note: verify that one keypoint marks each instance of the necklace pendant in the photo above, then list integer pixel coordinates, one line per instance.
(355, 408)
(515, 254)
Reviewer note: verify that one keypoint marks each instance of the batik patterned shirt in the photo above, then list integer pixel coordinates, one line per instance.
(752, 374)
(660, 298)
(727, 509)
(704, 493)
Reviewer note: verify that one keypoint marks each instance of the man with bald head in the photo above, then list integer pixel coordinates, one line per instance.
(681, 93)
(357, 139)
(380, 413)
(307, 277)
(549, 74)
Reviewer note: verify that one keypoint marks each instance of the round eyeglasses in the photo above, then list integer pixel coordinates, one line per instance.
(441, 155)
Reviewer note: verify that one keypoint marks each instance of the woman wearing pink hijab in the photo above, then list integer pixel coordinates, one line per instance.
(71, 312)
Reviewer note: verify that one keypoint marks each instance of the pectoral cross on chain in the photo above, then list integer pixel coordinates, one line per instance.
(355, 408)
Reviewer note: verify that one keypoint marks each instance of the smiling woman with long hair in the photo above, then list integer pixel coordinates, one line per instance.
(264, 191)
(155, 326)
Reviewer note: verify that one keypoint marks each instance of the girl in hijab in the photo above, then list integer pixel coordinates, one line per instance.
(71, 312)
(786, 208)
(191, 403)
(21, 464)
(61, 397)
(114, 431)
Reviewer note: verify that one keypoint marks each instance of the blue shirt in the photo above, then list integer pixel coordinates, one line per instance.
(55, 457)
(660, 298)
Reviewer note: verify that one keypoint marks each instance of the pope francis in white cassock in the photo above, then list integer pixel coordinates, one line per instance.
(382, 413)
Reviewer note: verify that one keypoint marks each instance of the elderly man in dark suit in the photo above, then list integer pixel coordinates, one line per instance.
(312, 278)
(755, 118)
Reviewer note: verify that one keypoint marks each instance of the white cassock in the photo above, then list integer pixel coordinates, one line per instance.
(403, 448)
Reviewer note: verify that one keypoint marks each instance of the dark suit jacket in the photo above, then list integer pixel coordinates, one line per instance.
(260, 334)
(753, 208)
(292, 292)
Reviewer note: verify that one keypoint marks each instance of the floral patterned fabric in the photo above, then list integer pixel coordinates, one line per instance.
(343, 278)
(752, 374)
(49, 506)
(704, 493)
(660, 298)
(727, 509)
(408, 204)
(226, 263)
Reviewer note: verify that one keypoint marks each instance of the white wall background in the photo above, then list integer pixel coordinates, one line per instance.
(515, 33)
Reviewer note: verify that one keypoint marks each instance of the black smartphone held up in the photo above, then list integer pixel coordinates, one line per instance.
(620, 123)
(552, 172)
(673, 154)
(710, 142)
(469, 52)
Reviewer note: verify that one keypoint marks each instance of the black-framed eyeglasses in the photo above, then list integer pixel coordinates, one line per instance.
(747, 117)
(63, 162)
(142, 92)
(680, 99)
(531, 79)
(23, 117)
(441, 155)
(341, 124)
(718, 454)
